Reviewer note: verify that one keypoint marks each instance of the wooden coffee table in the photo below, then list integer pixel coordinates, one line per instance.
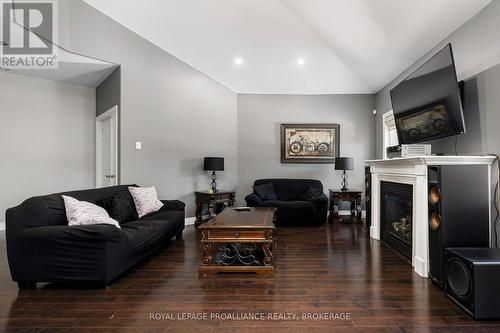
(239, 241)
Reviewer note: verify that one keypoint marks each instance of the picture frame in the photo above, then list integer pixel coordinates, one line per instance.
(310, 143)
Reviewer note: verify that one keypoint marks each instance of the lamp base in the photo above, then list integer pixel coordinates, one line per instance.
(214, 183)
(344, 182)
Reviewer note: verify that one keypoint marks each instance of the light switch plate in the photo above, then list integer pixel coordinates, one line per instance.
(138, 145)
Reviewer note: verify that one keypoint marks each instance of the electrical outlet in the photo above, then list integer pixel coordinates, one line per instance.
(138, 145)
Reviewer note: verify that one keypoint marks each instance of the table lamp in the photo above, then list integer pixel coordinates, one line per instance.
(344, 163)
(213, 164)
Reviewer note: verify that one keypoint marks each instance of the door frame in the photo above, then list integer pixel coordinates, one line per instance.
(111, 113)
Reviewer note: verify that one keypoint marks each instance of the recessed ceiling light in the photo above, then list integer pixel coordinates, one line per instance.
(238, 61)
(301, 61)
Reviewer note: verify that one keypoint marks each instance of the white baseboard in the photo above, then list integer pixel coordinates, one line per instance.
(189, 220)
(2, 226)
(348, 212)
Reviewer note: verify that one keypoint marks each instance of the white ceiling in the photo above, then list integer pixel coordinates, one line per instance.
(70, 67)
(355, 46)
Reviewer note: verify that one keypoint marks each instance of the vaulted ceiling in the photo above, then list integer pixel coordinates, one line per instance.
(295, 46)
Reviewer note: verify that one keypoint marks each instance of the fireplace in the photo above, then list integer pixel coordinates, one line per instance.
(396, 217)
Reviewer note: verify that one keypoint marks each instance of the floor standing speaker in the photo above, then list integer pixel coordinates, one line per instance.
(472, 280)
(458, 203)
(368, 193)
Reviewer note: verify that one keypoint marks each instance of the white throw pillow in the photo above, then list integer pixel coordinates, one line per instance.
(145, 200)
(84, 213)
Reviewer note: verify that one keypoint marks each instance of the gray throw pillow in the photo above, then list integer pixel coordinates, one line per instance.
(265, 191)
(311, 194)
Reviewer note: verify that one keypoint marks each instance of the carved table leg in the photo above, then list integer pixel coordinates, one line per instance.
(353, 209)
(268, 254)
(206, 258)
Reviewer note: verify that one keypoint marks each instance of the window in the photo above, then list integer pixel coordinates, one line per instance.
(390, 133)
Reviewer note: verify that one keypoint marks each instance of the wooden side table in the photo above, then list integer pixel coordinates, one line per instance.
(212, 200)
(354, 196)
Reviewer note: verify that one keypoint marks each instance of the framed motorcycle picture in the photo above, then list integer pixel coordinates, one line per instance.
(310, 143)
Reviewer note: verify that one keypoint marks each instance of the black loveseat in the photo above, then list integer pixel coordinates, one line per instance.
(41, 247)
(294, 202)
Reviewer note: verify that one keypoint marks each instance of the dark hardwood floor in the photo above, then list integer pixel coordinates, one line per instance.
(327, 269)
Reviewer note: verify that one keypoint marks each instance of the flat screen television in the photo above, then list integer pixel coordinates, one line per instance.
(427, 104)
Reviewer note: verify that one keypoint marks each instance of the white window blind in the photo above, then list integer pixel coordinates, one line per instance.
(390, 137)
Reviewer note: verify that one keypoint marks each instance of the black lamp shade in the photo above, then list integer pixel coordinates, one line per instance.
(344, 163)
(213, 163)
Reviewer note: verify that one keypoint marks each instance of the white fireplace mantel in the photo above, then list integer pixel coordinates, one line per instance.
(413, 171)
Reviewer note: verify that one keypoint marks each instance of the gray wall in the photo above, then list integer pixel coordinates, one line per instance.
(47, 135)
(488, 86)
(178, 113)
(259, 119)
(476, 48)
(108, 93)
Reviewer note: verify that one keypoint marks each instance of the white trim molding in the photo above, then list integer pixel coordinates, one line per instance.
(189, 220)
(2, 226)
(113, 114)
(413, 171)
(348, 212)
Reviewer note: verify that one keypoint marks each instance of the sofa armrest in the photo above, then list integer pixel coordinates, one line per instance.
(173, 205)
(253, 200)
(321, 202)
(320, 199)
(62, 251)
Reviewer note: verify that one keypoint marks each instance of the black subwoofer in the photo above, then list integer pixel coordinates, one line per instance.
(472, 280)
(368, 193)
(458, 203)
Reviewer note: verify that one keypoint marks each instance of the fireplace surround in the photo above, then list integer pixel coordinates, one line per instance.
(413, 171)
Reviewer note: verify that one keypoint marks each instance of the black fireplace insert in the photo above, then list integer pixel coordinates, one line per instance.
(396, 229)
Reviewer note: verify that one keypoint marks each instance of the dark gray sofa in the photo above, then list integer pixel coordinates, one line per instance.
(292, 207)
(41, 247)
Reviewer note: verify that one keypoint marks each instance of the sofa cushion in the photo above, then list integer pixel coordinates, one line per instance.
(265, 191)
(305, 207)
(120, 207)
(164, 213)
(123, 209)
(311, 194)
(144, 233)
(292, 210)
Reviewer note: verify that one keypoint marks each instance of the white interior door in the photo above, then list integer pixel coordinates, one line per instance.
(107, 148)
(108, 163)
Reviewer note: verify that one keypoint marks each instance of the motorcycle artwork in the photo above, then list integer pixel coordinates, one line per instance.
(306, 144)
(309, 143)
